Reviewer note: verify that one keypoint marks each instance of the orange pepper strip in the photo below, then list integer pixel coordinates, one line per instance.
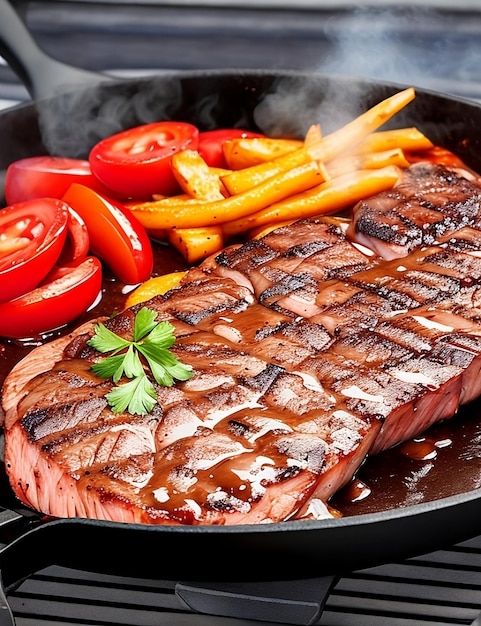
(242, 152)
(352, 133)
(240, 181)
(367, 161)
(404, 138)
(327, 147)
(182, 198)
(161, 215)
(153, 287)
(333, 195)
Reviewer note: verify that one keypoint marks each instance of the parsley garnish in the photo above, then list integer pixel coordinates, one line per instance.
(152, 340)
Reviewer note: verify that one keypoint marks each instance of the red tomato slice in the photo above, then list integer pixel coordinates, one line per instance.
(210, 144)
(46, 177)
(135, 163)
(32, 235)
(68, 292)
(77, 244)
(116, 235)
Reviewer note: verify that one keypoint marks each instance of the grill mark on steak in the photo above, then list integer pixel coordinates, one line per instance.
(288, 273)
(308, 356)
(102, 442)
(429, 202)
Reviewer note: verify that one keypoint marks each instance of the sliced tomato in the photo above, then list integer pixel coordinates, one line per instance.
(46, 177)
(210, 144)
(32, 235)
(77, 244)
(135, 163)
(67, 293)
(116, 236)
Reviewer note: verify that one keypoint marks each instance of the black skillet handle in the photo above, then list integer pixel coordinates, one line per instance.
(41, 74)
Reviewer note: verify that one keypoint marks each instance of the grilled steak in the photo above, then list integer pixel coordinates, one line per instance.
(431, 201)
(308, 353)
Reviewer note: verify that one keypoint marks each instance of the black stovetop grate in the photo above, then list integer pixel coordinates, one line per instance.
(442, 588)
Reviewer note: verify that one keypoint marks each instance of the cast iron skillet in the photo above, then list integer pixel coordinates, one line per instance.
(69, 122)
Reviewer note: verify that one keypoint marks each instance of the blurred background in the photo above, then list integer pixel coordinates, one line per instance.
(430, 43)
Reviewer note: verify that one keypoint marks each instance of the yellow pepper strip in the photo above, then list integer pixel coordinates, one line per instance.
(195, 177)
(333, 195)
(405, 138)
(327, 148)
(366, 161)
(239, 181)
(352, 133)
(182, 197)
(219, 171)
(160, 215)
(154, 287)
(242, 152)
(196, 244)
(172, 201)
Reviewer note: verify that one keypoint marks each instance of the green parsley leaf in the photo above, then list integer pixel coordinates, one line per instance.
(105, 340)
(110, 367)
(130, 359)
(145, 322)
(138, 396)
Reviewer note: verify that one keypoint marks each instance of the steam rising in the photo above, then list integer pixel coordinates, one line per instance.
(410, 45)
(395, 46)
(291, 111)
(71, 124)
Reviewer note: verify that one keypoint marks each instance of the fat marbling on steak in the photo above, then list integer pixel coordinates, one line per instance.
(309, 353)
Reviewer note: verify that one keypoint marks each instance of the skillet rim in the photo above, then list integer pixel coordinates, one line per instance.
(307, 526)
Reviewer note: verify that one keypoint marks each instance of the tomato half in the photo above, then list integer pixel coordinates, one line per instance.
(116, 236)
(46, 177)
(210, 144)
(67, 293)
(32, 235)
(135, 163)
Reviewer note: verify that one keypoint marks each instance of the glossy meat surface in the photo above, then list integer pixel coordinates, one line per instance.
(430, 201)
(308, 355)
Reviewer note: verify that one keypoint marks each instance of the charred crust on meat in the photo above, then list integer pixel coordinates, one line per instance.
(288, 473)
(254, 250)
(288, 284)
(309, 451)
(31, 421)
(268, 331)
(306, 249)
(376, 227)
(194, 319)
(224, 503)
(238, 429)
(264, 379)
(446, 199)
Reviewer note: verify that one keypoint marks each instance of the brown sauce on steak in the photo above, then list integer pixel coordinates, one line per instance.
(444, 461)
(420, 470)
